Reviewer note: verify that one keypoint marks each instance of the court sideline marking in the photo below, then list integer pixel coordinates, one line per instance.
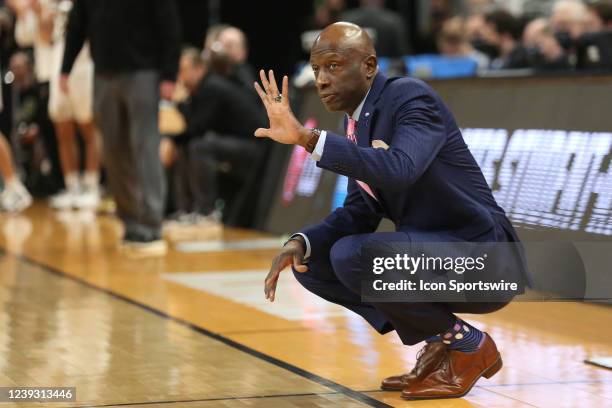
(341, 389)
(127, 404)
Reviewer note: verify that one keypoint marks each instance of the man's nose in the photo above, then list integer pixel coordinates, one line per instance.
(321, 80)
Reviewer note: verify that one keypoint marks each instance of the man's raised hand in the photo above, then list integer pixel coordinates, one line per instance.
(284, 127)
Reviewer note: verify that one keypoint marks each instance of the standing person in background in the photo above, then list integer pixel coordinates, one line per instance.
(33, 28)
(135, 47)
(42, 26)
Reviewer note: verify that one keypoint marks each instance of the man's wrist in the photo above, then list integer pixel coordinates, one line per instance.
(309, 139)
(299, 239)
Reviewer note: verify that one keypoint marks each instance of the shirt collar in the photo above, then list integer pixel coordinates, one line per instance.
(357, 112)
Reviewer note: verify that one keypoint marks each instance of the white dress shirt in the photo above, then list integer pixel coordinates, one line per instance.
(317, 153)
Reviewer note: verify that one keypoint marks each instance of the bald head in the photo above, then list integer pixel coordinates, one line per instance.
(234, 43)
(570, 16)
(344, 37)
(344, 63)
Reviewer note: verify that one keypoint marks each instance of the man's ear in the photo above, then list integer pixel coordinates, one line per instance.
(371, 65)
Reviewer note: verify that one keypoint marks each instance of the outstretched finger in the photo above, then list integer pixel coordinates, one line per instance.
(271, 280)
(286, 89)
(261, 94)
(269, 285)
(272, 292)
(265, 84)
(271, 288)
(273, 87)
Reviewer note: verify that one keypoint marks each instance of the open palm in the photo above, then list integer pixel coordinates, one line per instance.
(284, 127)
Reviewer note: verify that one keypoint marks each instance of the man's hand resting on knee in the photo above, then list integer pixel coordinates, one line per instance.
(292, 253)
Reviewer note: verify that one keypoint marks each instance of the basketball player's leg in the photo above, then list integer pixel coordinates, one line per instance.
(81, 99)
(7, 165)
(15, 196)
(61, 114)
(119, 154)
(141, 92)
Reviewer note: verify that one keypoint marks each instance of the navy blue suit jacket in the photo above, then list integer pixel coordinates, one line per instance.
(427, 182)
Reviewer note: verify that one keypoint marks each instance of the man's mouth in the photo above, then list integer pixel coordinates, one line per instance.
(327, 97)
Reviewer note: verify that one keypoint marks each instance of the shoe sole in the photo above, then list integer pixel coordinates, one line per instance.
(391, 388)
(382, 387)
(486, 373)
(84, 207)
(144, 252)
(61, 207)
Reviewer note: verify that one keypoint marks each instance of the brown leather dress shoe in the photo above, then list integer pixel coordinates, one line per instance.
(457, 373)
(428, 359)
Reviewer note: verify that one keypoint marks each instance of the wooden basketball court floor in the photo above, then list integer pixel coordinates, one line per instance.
(192, 329)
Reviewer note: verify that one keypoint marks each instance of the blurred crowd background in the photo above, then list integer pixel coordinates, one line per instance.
(213, 164)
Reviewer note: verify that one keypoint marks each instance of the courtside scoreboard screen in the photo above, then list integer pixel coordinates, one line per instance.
(544, 146)
(548, 178)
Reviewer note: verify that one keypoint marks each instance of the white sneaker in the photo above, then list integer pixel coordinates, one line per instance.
(212, 218)
(88, 199)
(135, 249)
(64, 200)
(15, 199)
(193, 227)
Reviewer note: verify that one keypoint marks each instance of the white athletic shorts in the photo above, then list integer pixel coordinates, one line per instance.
(77, 104)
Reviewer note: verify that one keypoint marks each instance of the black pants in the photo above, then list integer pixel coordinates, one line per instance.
(126, 111)
(196, 181)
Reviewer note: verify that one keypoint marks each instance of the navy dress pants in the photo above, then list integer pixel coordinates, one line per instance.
(337, 279)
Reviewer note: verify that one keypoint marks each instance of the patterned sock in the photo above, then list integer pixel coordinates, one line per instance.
(463, 337)
(433, 339)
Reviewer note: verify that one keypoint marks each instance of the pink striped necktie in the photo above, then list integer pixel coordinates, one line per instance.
(350, 135)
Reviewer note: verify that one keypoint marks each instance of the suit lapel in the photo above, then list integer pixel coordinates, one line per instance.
(365, 126)
(368, 112)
